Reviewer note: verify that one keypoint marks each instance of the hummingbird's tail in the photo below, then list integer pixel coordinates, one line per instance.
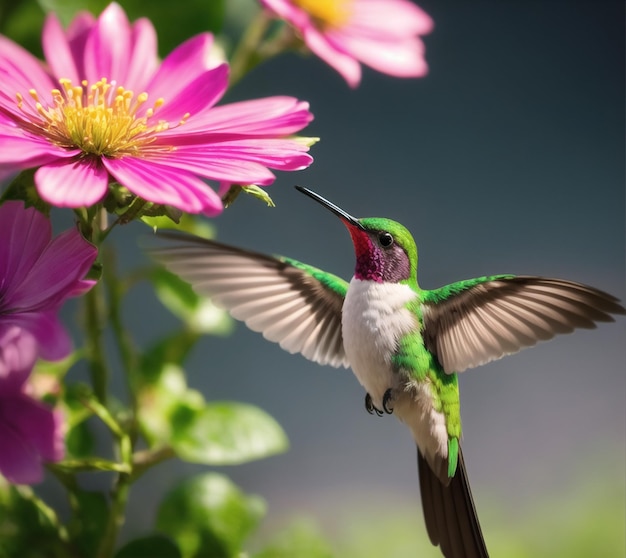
(449, 512)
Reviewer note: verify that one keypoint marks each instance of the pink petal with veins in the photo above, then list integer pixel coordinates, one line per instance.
(273, 116)
(108, 46)
(58, 51)
(184, 65)
(197, 96)
(81, 183)
(165, 185)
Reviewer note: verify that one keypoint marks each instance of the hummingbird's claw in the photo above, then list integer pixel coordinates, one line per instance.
(369, 406)
(386, 398)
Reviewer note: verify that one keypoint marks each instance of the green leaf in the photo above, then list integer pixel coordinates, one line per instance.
(199, 313)
(301, 539)
(208, 515)
(211, 433)
(59, 368)
(188, 223)
(160, 399)
(226, 434)
(252, 189)
(88, 525)
(172, 349)
(79, 441)
(22, 188)
(150, 547)
(260, 194)
(26, 529)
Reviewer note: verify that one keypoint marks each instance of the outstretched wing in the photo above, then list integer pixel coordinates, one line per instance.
(293, 304)
(473, 322)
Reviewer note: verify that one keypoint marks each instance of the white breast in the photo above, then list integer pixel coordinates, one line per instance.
(374, 319)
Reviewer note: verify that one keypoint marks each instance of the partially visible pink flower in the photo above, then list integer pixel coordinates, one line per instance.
(106, 110)
(37, 274)
(383, 34)
(30, 432)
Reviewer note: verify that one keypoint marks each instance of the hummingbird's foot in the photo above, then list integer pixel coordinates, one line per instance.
(386, 398)
(369, 406)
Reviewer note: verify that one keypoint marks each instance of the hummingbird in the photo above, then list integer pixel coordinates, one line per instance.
(406, 345)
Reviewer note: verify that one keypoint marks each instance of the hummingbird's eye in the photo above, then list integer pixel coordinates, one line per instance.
(385, 239)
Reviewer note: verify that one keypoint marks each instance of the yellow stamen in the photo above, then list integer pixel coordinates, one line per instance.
(99, 119)
(327, 13)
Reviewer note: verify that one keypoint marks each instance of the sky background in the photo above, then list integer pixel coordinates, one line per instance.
(507, 158)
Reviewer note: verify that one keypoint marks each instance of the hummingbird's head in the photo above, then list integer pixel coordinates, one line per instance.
(385, 250)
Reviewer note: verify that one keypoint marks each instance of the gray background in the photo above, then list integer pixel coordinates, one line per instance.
(507, 158)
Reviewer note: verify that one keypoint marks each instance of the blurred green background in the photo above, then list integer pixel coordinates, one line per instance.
(507, 158)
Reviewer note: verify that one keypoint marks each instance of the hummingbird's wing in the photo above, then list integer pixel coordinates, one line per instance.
(291, 303)
(473, 322)
(449, 512)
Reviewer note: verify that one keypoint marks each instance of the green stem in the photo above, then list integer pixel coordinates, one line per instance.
(46, 511)
(89, 464)
(98, 409)
(121, 487)
(143, 460)
(95, 323)
(245, 56)
(119, 498)
(130, 360)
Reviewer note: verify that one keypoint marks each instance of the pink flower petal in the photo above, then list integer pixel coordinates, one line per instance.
(281, 154)
(19, 462)
(53, 341)
(383, 34)
(285, 9)
(79, 28)
(37, 274)
(25, 233)
(143, 58)
(18, 352)
(65, 261)
(182, 66)
(223, 165)
(20, 72)
(81, 287)
(393, 18)
(29, 433)
(200, 94)
(274, 116)
(40, 426)
(19, 150)
(57, 50)
(108, 46)
(77, 34)
(165, 185)
(81, 183)
(400, 59)
(345, 64)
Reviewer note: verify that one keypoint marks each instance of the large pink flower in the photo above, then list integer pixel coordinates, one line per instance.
(29, 431)
(106, 109)
(37, 274)
(383, 34)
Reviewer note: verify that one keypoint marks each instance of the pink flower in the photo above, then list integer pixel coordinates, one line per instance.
(108, 111)
(383, 34)
(29, 431)
(37, 274)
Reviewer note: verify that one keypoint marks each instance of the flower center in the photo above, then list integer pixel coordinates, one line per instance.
(328, 13)
(99, 119)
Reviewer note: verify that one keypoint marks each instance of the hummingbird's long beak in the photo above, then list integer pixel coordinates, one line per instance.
(346, 217)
